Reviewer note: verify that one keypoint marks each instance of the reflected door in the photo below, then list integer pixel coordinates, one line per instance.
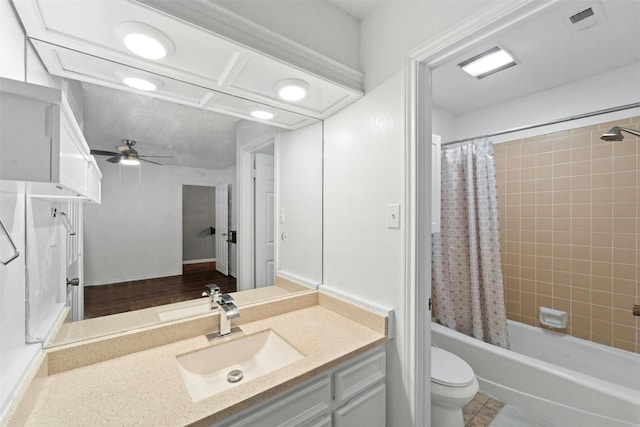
(264, 220)
(222, 228)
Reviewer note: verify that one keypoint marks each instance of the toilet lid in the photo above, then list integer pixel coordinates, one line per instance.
(449, 370)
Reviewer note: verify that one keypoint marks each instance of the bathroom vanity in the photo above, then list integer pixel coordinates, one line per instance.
(142, 377)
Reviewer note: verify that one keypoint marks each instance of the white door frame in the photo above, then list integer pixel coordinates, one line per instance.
(222, 228)
(264, 249)
(245, 238)
(489, 22)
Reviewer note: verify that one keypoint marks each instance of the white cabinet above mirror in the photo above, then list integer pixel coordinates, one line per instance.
(42, 144)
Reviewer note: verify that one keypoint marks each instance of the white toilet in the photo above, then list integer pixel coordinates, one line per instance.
(453, 385)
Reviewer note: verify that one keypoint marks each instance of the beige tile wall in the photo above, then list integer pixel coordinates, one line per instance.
(570, 233)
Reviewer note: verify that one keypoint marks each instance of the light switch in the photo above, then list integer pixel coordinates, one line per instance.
(281, 216)
(393, 216)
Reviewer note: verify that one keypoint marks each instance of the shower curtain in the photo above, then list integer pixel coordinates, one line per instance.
(466, 274)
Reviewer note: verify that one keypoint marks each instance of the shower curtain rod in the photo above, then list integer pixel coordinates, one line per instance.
(553, 122)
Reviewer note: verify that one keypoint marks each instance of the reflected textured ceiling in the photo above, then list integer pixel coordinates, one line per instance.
(194, 137)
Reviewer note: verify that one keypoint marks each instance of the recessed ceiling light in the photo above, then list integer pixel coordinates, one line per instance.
(292, 89)
(488, 62)
(144, 40)
(262, 113)
(139, 83)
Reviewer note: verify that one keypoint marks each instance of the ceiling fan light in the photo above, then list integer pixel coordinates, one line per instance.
(292, 89)
(129, 160)
(144, 40)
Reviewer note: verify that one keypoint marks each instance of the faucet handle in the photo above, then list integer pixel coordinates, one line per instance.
(226, 298)
(211, 290)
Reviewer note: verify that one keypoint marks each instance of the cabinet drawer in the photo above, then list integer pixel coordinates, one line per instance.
(368, 409)
(357, 377)
(324, 421)
(302, 407)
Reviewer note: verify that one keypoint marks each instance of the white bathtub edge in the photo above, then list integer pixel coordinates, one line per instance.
(553, 412)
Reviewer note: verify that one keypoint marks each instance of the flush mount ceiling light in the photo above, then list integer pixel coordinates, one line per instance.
(139, 81)
(262, 113)
(144, 40)
(292, 89)
(488, 62)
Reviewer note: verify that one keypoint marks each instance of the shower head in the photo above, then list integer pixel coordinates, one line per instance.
(615, 134)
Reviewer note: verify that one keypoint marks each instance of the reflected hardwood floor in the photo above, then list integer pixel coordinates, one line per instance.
(127, 296)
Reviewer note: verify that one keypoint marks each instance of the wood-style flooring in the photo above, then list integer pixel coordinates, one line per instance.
(127, 296)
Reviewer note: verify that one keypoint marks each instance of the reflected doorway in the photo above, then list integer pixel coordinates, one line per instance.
(198, 224)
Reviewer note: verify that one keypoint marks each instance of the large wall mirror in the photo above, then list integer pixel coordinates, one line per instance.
(216, 198)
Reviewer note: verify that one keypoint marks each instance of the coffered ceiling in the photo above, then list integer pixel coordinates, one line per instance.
(79, 40)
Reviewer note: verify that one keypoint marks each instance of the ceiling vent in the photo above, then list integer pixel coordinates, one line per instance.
(581, 16)
(584, 18)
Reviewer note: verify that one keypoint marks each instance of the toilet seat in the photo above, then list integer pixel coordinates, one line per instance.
(450, 370)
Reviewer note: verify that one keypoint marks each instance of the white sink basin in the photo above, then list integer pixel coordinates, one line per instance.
(205, 371)
(188, 311)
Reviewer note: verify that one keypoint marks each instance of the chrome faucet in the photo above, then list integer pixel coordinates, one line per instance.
(227, 307)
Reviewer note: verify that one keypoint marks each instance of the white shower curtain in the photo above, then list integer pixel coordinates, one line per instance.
(466, 275)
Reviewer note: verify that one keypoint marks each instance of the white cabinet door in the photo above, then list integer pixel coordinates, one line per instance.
(368, 409)
(73, 161)
(359, 376)
(41, 141)
(27, 129)
(94, 182)
(305, 407)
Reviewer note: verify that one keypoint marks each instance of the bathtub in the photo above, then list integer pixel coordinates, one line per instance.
(564, 380)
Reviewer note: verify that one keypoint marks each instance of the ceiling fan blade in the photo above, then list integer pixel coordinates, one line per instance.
(149, 161)
(103, 153)
(115, 159)
(163, 157)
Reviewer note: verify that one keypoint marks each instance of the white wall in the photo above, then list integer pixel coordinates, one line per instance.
(299, 199)
(391, 31)
(364, 171)
(15, 355)
(318, 25)
(610, 89)
(443, 123)
(136, 233)
(46, 257)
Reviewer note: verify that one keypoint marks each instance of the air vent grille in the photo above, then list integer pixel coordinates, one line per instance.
(581, 15)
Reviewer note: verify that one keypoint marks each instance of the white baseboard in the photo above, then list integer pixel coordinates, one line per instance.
(198, 261)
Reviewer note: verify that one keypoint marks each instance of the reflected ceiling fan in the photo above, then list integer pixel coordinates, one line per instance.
(127, 155)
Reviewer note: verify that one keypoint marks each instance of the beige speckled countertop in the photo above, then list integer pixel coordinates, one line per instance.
(146, 387)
